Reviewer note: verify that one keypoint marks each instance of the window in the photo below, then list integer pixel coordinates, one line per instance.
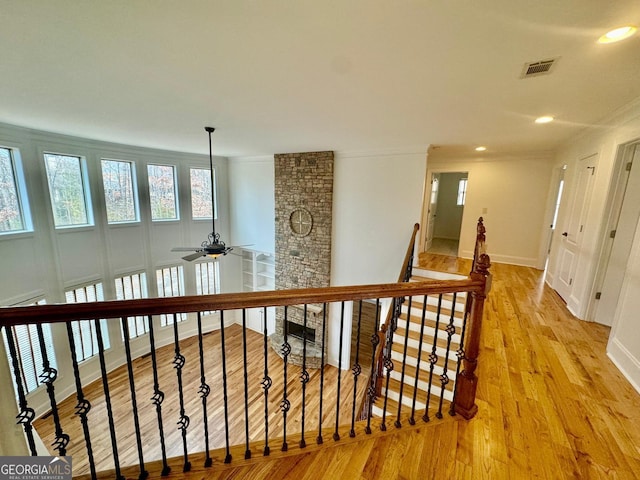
(162, 192)
(130, 287)
(29, 352)
(84, 331)
(14, 214)
(170, 282)
(462, 191)
(207, 279)
(68, 190)
(119, 195)
(201, 193)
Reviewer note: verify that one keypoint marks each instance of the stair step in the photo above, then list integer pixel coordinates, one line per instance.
(428, 334)
(423, 372)
(413, 347)
(433, 275)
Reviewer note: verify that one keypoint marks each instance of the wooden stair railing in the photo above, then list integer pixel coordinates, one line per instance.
(383, 363)
(266, 393)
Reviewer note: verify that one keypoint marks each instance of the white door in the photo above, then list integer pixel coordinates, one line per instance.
(624, 227)
(433, 206)
(573, 231)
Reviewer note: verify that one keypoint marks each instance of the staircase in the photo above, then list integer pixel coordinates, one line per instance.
(427, 356)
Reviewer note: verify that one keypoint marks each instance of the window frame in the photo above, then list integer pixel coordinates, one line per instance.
(215, 193)
(166, 320)
(78, 325)
(19, 181)
(176, 196)
(134, 192)
(143, 293)
(86, 190)
(462, 191)
(29, 353)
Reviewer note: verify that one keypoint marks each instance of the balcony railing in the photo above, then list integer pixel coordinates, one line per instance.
(228, 388)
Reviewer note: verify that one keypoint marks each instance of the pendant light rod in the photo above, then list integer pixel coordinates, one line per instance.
(213, 200)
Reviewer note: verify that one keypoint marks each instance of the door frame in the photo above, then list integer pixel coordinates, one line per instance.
(426, 203)
(615, 199)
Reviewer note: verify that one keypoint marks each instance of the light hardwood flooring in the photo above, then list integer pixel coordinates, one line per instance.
(551, 406)
(121, 400)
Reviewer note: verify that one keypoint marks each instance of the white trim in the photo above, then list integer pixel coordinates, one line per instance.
(628, 365)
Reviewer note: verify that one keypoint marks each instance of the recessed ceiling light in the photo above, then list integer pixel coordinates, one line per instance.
(480, 149)
(545, 119)
(617, 34)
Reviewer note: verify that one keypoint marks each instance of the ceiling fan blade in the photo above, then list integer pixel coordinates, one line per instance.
(185, 249)
(193, 256)
(242, 246)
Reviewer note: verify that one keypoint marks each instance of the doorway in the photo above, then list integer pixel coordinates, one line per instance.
(446, 207)
(621, 224)
(570, 249)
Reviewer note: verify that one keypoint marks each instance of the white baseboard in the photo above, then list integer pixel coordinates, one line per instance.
(625, 361)
(509, 259)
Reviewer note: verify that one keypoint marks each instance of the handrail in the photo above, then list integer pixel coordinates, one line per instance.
(405, 274)
(58, 313)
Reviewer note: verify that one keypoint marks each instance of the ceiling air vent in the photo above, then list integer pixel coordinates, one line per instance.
(541, 67)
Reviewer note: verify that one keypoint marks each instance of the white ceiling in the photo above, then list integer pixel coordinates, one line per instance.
(303, 75)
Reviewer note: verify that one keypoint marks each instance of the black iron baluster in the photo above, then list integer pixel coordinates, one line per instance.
(204, 392)
(444, 378)
(247, 452)
(134, 404)
(285, 405)
(356, 370)
(412, 420)
(433, 359)
(227, 458)
(319, 439)
(83, 406)
(107, 399)
(304, 375)
(397, 423)
(26, 414)
(336, 435)
(158, 397)
(183, 421)
(48, 376)
(387, 362)
(266, 385)
(371, 391)
(460, 351)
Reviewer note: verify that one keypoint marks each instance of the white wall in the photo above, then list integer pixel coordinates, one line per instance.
(376, 201)
(252, 202)
(45, 262)
(605, 142)
(511, 194)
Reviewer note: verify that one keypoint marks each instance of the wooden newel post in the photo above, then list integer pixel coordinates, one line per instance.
(467, 381)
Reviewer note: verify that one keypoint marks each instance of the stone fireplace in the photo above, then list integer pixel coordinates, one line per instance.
(303, 208)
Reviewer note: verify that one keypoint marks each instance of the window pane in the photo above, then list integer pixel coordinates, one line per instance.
(85, 331)
(119, 195)
(170, 284)
(207, 279)
(162, 192)
(11, 219)
(67, 190)
(201, 193)
(132, 287)
(462, 191)
(29, 352)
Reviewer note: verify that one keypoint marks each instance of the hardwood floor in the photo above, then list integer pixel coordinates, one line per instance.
(123, 419)
(551, 405)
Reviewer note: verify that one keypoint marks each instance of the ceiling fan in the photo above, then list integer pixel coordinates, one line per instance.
(212, 247)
